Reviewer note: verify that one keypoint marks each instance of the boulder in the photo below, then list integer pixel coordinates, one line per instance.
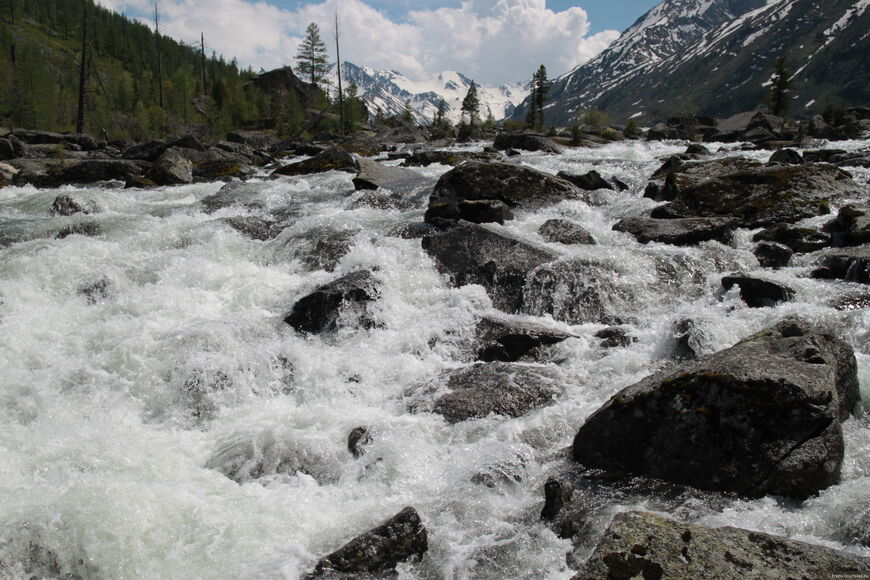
(320, 248)
(613, 337)
(153, 149)
(821, 155)
(7, 150)
(644, 545)
(588, 181)
(77, 140)
(762, 417)
(696, 149)
(357, 441)
(525, 141)
(559, 231)
(320, 311)
(799, 239)
(678, 232)
(511, 185)
(852, 159)
(66, 205)
(254, 227)
(510, 338)
(786, 157)
(474, 254)
(401, 538)
(80, 228)
(757, 292)
(849, 264)
(95, 170)
(851, 227)
(374, 175)
(772, 254)
(758, 195)
(254, 139)
(171, 168)
(7, 174)
(333, 159)
(497, 388)
(425, 158)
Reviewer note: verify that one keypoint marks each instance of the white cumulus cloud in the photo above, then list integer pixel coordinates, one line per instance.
(492, 41)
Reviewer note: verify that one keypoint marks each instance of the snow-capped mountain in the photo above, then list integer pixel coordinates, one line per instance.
(715, 57)
(390, 90)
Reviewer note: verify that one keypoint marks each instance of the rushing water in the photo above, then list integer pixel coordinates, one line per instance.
(140, 365)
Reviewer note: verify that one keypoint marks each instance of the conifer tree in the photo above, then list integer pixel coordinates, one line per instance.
(471, 104)
(440, 120)
(540, 88)
(778, 94)
(311, 58)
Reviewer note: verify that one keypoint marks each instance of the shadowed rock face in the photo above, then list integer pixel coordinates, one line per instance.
(319, 311)
(400, 538)
(762, 417)
(850, 264)
(334, 158)
(642, 545)
(678, 232)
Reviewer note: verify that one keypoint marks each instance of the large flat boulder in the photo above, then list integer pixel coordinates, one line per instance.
(373, 175)
(333, 159)
(644, 545)
(526, 141)
(95, 170)
(762, 417)
(426, 157)
(678, 232)
(849, 264)
(756, 194)
(474, 254)
(500, 183)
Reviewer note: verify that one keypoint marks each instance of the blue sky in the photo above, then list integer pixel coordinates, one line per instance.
(492, 41)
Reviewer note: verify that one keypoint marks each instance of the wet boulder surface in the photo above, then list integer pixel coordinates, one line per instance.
(333, 159)
(644, 545)
(678, 232)
(762, 417)
(320, 311)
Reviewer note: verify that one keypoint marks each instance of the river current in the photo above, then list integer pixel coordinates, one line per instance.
(141, 365)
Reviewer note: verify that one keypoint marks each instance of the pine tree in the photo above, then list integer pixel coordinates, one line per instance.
(779, 93)
(540, 88)
(440, 120)
(408, 115)
(471, 105)
(311, 58)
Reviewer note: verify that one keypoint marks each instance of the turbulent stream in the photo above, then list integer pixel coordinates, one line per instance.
(142, 365)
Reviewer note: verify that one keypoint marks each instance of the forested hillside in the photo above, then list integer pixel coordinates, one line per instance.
(41, 44)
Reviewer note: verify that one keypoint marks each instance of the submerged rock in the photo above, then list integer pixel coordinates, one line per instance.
(319, 311)
(797, 238)
(509, 338)
(320, 248)
(525, 141)
(497, 388)
(762, 417)
(67, 205)
(334, 158)
(773, 255)
(849, 264)
(358, 440)
(643, 545)
(851, 227)
(504, 183)
(254, 227)
(678, 232)
(589, 181)
(566, 232)
(399, 539)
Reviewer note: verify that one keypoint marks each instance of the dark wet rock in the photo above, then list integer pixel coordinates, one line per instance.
(852, 159)
(678, 232)
(614, 337)
(773, 255)
(247, 458)
(97, 291)
(821, 155)
(566, 232)
(221, 167)
(757, 292)
(496, 388)
(401, 538)
(199, 391)
(851, 302)
(320, 311)
(240, 150)
(697, 149)
(7, 150)
(671, 165)
(525, 141)
(81, 228)
(576, 291)
(294, 147)
(762, 417)
(321, 248)
(33, 137)
(234, 193)
(26, 555)
(357, 441)
(333, 159)
(7, 174)
(42, 173)
(644, 545)
(171, 168)
(588, 181)
(556, 494)
(851, 227)
(512, 153)
(509, 339)
(786, 157)
(512, 185)
(153, 149)
(254, 227)
(254, 139)
(799, 239)
(758, 195)
(849, 264)
(411, 231)
(404, 183)
(95, 170)
(66, 205)
(474, 254)
(688, 338)
(428, 157)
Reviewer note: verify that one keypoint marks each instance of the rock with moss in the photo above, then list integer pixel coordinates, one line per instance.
(425, 158)
(525, 141)
(762, 417)
(757, 195)
(644, 545)
(333, 159)
(515, 186)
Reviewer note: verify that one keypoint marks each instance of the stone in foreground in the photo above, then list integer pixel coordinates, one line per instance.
(642, 545)
(678, 232)
(400, 538)
(320, 311)
(762, 417)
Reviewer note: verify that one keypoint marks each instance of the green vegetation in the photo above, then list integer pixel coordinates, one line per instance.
(778, 95)
(39, 79)
(540, 88)
(311, 58)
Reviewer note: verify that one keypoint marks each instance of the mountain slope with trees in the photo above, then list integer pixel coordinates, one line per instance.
(717, 57)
